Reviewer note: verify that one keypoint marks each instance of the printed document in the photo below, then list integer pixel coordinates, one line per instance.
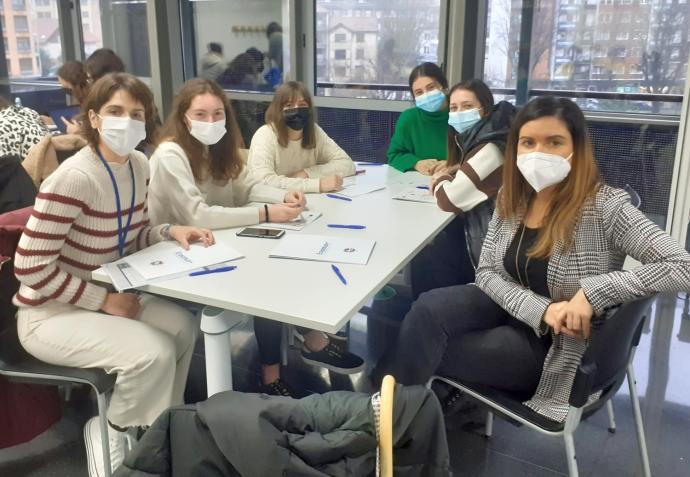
(323, 248)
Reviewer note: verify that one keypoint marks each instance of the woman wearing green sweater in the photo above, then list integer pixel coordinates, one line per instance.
(419, 142)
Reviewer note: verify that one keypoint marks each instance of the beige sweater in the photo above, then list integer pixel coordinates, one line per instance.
(175, 197)
(271, 163)
(73, 230)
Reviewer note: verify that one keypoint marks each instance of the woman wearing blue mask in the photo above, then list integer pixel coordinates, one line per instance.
(476, 142)
(476, 138)
(419, 141)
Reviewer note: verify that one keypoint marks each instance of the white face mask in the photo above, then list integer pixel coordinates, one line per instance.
(121, 135)
(207, 133)
(542, 169)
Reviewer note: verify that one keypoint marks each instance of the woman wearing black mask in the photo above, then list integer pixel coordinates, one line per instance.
(291, 151)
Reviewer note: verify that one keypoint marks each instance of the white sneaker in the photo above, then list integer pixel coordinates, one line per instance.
(94, 448)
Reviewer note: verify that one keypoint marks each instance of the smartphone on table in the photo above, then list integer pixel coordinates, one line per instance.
(257, 232)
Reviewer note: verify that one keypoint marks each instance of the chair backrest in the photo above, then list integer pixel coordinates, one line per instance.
(385, 431)
(12, 225)
(612, 340)
(476, 225)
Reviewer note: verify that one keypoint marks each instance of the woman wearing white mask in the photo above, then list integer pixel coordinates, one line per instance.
(477, 131)
(552, 262)
(419, 141)
(91, 211)
(198, 175)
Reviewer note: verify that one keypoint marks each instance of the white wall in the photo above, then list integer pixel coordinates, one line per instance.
(213, 22)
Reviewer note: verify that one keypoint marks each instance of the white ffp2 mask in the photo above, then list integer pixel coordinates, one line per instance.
(542, 169)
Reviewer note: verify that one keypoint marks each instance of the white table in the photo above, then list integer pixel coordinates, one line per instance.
(305, 293)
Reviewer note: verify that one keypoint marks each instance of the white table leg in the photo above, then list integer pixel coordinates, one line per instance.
(216, 325)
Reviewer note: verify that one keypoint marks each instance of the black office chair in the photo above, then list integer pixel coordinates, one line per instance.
(604, 366)
(476, 225)
(19, 366)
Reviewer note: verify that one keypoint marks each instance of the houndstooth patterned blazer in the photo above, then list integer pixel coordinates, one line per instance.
(609, 229)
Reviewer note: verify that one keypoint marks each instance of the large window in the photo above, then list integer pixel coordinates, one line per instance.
(121, 26)
(32, 40)
(367, 48)
(632, 55)
(243, 45)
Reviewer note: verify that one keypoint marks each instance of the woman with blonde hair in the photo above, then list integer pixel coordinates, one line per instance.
(291, 151)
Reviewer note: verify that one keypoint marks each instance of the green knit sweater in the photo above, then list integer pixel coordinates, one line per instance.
(418, 135)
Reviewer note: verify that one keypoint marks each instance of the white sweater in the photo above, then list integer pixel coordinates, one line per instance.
(175, 197)
(271, 163)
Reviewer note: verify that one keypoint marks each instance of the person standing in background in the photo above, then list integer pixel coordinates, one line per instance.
(213, 62)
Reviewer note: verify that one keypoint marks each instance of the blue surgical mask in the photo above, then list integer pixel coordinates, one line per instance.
(463, 120)
(430, 101)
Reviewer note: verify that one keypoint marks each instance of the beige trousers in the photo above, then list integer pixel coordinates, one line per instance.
(151, 355)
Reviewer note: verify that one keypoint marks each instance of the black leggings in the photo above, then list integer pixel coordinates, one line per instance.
(460, 332)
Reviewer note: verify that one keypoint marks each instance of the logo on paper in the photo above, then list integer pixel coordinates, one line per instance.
(157, 262)
(349, 250)
(183, 257)
(324, 249)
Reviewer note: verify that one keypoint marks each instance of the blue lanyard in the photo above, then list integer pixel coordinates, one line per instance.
(121, 234)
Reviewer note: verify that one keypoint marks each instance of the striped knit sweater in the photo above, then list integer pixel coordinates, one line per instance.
(73, 230)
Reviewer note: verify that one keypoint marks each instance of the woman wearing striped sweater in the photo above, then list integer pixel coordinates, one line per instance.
(91, 211)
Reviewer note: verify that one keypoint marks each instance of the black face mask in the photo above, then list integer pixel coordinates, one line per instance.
(296, 118)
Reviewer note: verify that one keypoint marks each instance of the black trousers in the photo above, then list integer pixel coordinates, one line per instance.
(460, 332)
(268, 335)
(443, 263)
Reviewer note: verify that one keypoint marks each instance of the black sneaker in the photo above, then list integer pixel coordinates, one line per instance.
(277, 388)
(333, 357)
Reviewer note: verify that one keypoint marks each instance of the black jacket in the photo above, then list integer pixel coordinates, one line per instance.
(492, 128)
(17, 190)
(253, 435)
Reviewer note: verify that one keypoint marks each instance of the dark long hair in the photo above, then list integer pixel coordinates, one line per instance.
(223, 160)
(431, 70)
(74, 73)
(287, 93)
(582, 183)
(485, 98)
(101, 62)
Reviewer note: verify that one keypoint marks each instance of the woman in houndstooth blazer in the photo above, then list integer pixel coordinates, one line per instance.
(552, 260)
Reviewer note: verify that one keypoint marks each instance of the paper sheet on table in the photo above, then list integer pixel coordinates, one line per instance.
(164, 261)
(305, 218)
(355, 186)
(323, 248)
(416, 195)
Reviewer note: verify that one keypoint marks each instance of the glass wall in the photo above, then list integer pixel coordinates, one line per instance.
(120, 25)
(626, 56)
(366, 48)
(243, 45)
(31, 35)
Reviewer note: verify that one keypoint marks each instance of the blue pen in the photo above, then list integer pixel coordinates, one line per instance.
(365, 164)
(423, 187)
(340, 275)
(214, 270)
(342, 226)
(333, 196)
